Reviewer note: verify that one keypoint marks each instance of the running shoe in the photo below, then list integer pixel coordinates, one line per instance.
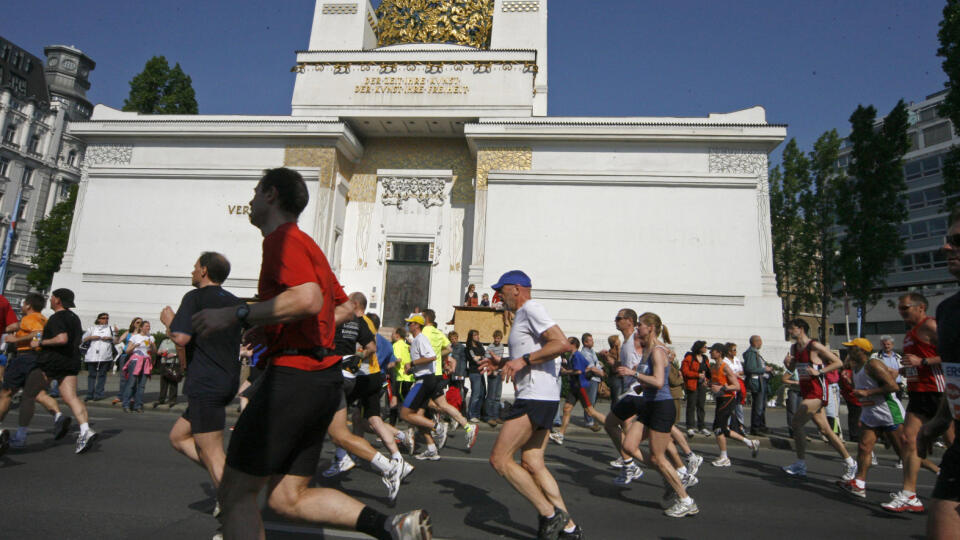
(411, 526)
(577, 534)
(850, 486)
(470, 435)
(721, 462)
(706, 432)
(474, 420)
(796, 469)
(849, 471)
(427, 454)
(873, 460)
(18, 442)
(339, 466)
(754, 447)
(60, 427)
(681, 509)
(693, 463)
(899, 464)
(628, 474)
(691, 433)
(550, 528)
(439, 434)
(688, 480)
(391, 479)
(617, 463)
(557, 437)
(4, 441)
(85, 441)
(903, 503)
(216, 510)
(408, 440)
(406, 469)
(594, 428)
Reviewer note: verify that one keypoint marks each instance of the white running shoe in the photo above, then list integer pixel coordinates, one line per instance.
(796, 469)
(688, 480)
(340, 466)
(617, 463)
(628, 474)
(470, 435)
(902, 503)
(693, 464)
(216, 510)
(681, 509)
(408, 440)
(706, 432)
(691, 433)
(411, 526)
(391, 479)
(406, 469)
(427, 454)
(849, 471)
(873, 460)
(754, 447)
(557, 437)
(440, 434)
(721, 462)
(85, 441)
(899, 464)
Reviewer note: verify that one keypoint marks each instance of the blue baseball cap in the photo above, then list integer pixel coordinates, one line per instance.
(513, 277)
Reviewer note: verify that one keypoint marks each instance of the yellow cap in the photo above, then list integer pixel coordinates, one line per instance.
(417, 319)
(861, 343)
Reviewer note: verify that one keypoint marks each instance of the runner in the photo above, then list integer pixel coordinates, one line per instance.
(812, 361)
(724, 385)
(880, 410)
(59, 361)
(213, 369)
(925, 386)
(535, 344)
(402, 381)
(441, 347)
(577, 377)
(623, 412)
(301, 390)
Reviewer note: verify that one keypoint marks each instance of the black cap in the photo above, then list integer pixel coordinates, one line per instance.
(65, 296)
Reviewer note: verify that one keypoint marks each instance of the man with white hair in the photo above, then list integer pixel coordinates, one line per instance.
(891, 359)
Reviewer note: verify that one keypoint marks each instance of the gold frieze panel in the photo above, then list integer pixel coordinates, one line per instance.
(502, 159)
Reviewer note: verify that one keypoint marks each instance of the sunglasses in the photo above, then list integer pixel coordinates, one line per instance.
(953, 240)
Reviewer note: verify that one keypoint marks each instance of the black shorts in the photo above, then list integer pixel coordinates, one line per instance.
(578, 393)
(349, 383)
(56, 370)
(17, 370)
(255, 383)
(629, 405)
(541, 413)
(658, 415)
(282, 429)
(924, 404)
(254, 374)
(947, 487)
(423, 390)
(208, 413)
(366, 394)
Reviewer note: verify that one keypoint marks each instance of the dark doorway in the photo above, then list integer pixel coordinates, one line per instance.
(408, 281)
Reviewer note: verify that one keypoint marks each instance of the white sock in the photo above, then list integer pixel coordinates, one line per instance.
(56, 417)
(723, 455)
(909, 494)
(570, 529)
(340, 454)
(850, 461)
(860, 483)
(682, 471)
(687, 500)
(431, 448)
(395, 456)
(84, 428)
(381, 463)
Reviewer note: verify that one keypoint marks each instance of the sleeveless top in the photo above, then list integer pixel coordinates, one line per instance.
(631, 359)
(656, 394)
(719, 375)
(877, 410)
(811, 386)
(922, 378)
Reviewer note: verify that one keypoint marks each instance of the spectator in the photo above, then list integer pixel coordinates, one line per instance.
(733, 360)
(675, 380)
(495, 353)
(696, 374)
(123, 357)
(497, 301)
(470, 298)
(611, 357)
(401, 379)
(792, 383)
(140, 349)
(594, 373)
(892, 360)
(475, 354)
(100, 339)
(171, 372)
(847, 387)
(485, 301)
(458, 357)
(756, 369)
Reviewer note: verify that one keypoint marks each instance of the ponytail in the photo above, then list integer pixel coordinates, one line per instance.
(665, 335)
(659, 329)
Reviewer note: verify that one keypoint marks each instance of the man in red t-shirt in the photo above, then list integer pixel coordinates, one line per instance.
(7, 318)
(277, 440)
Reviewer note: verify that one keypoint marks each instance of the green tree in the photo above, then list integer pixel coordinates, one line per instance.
(52, 234)
(949, 36)
(870, 203)
(787, 223)
(160, 89)
(819, 241)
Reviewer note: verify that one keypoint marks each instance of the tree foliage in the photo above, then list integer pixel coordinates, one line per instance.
(786, 223)
(870, 202)
(949, 50)
(52, 234)
(160, 89)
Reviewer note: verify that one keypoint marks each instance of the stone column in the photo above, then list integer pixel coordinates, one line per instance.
(4, 108)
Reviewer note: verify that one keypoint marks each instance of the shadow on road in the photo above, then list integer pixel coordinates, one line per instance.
(485, 513)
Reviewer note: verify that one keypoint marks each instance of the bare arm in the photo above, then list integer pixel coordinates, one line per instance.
(656, 380)
(555, 344)
(59, 339)
(830, 361)
(881, 374)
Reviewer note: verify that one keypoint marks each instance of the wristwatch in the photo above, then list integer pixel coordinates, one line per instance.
(923, 362)
(243, 311)
(526, 359)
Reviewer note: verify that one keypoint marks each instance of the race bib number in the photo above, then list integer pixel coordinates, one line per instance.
(951, 375)
(803, 372)
(911, 374)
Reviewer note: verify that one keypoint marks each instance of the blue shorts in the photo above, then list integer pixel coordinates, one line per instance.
(423, 390)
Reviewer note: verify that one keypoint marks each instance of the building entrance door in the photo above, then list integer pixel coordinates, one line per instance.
(408, 281)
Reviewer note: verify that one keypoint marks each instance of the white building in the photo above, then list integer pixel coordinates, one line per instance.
(432, 166)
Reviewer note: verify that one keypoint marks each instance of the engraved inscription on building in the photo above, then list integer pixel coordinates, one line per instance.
(411, 85)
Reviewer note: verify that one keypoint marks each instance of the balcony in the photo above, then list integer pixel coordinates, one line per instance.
(11, 145)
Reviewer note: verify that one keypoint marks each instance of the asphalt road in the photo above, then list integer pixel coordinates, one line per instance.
(131, 484)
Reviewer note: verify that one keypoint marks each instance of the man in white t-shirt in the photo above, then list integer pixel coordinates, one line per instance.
(733, 360)
(623, 412)
(535, 345)
(100, 339)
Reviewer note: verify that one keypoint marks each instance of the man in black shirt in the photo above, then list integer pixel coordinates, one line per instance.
(213, 366)
(60, 360)
(944, 520)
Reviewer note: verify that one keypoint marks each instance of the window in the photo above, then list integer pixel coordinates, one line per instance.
(914, 141)
(18, 83)
(10, 134)
(72, 158)
(16, 58)
(927, 114)
(918, 229)
(915, 200)
(27, 65)
(27, 176)
(24, 204)
(934, 195)
(5, 51)
(936, 134)
(34, 144)
(913, 170)
(15, 105)
(937, 227)
(4, 166)
(931, 165)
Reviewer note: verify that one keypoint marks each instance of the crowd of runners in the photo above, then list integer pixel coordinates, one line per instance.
(320, 367)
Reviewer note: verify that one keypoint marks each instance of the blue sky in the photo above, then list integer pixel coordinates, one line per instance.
(808, 63)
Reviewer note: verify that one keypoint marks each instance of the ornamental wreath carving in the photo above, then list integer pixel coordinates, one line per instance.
(108, 154)
(429, 190)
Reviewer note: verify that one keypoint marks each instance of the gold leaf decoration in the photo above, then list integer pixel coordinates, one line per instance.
(463, 22)
(322, 157)
(501, 159)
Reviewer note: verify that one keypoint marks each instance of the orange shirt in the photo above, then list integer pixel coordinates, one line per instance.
(719, 376)
(33, 322)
